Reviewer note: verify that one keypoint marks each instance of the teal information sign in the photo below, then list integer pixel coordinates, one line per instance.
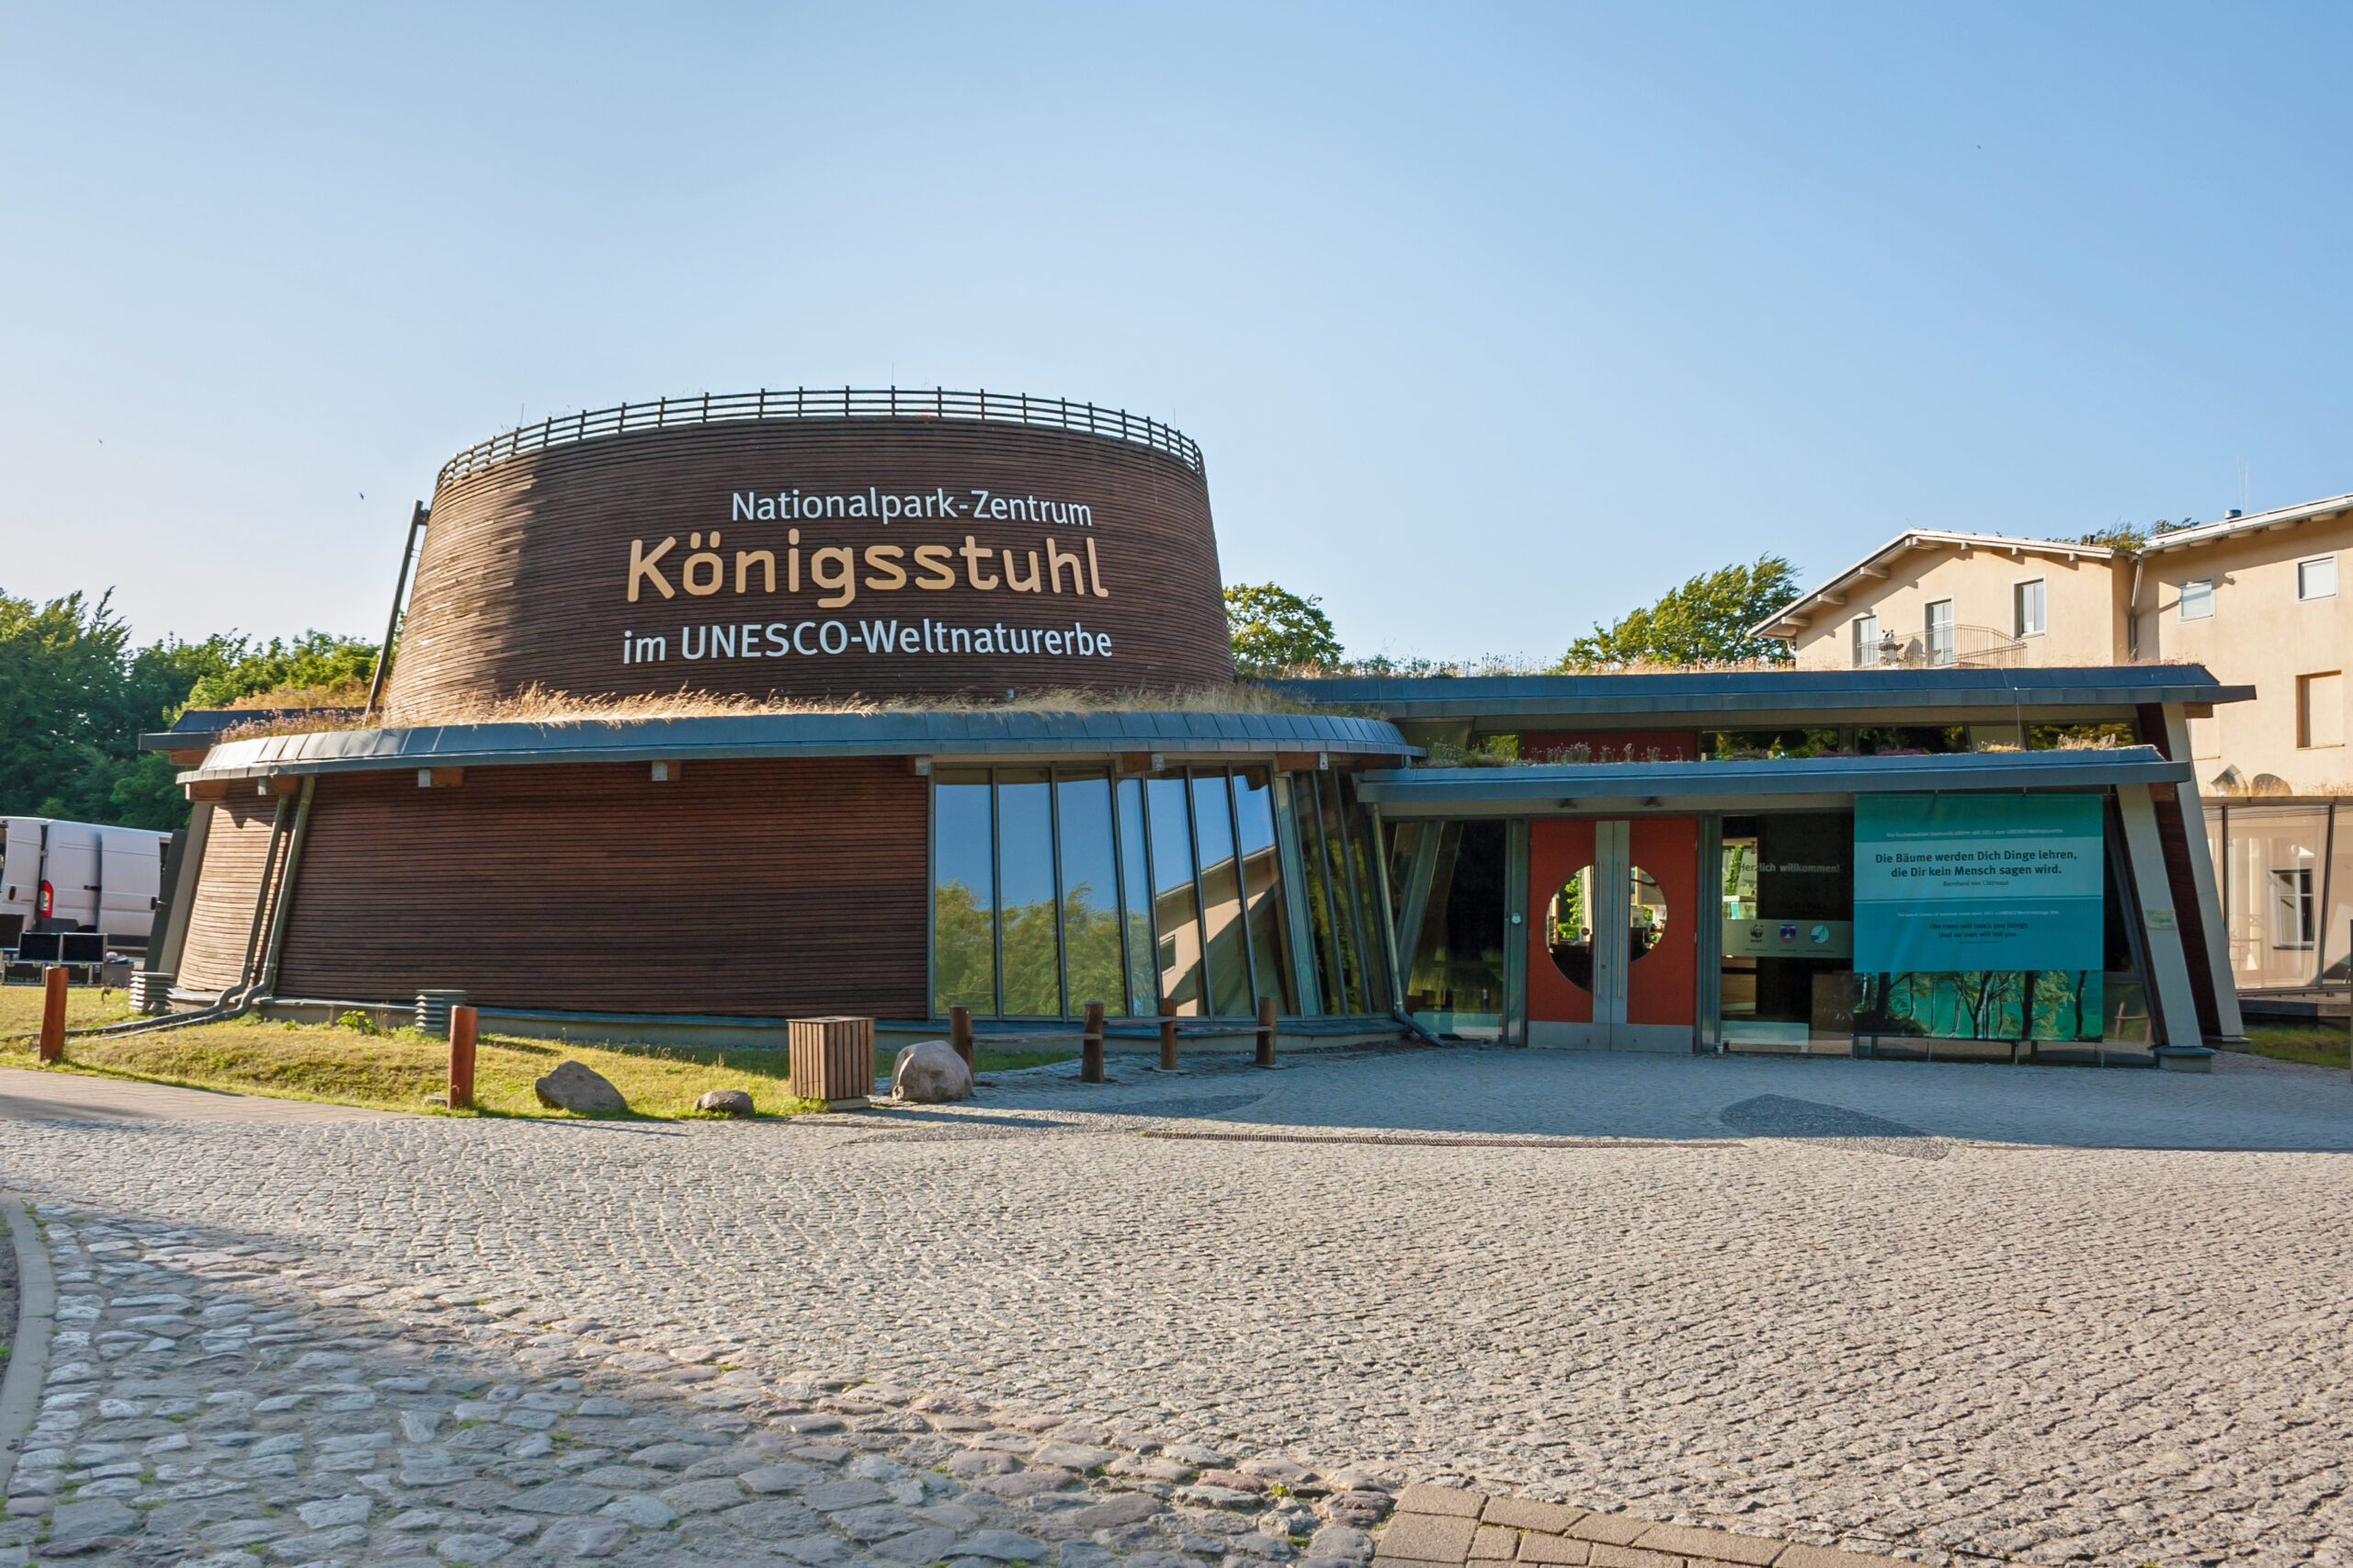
(1947, 882)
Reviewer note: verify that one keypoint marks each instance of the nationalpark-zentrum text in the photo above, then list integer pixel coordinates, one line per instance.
(782, 639)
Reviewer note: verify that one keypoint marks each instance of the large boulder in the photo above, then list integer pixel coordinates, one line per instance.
(725, 1102)
(577, 1087)
(931, 1072)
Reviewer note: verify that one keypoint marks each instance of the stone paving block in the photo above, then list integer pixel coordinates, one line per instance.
(1608, 1556)
(1617, 1529)
(1721, 1546)
(1495, 1544)
(1429, 1538)
(1526, 1513)
(1798, 1555)
(1552, 1549)
(1423, 1498)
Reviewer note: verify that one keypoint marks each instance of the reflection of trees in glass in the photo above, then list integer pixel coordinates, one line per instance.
(1092, 931)
(1982, 1004)
(1034, 986)
(961, 955)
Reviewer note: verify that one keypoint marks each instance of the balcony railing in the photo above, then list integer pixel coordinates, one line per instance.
(826, 402)
(1948, 647)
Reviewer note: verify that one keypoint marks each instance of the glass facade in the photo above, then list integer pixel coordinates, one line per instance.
(1457, 978)
(1053, 888)
(2286, 877)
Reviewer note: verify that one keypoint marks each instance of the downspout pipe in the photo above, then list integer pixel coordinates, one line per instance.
(263, 943)
(2132, 615)
(416, 522)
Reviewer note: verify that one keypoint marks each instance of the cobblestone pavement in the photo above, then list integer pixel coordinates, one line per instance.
(1931, 1310)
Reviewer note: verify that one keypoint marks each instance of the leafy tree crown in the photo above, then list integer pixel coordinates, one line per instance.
(1274, 628)
(1705, 621)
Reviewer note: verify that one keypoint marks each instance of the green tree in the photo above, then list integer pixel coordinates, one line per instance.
(75, 696)
(1275, 629)
(316, 669)
(1706, 621)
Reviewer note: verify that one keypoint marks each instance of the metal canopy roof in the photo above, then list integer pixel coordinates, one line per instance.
(978, 734)
(1773, 698)
(1632, 787)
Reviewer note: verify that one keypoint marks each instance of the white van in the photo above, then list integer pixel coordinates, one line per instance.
(79, 876)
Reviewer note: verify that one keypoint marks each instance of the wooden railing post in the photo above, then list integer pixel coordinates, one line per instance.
(1090, 1046)
(959, 1032)
(1267, 1032)
(1168, 1034)
(52, 1013)
(462, 1058)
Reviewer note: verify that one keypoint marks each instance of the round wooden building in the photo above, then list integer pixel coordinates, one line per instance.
(710, 713)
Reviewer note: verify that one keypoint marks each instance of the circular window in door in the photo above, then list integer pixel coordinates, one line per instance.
(1568, 929)
(1645, 915)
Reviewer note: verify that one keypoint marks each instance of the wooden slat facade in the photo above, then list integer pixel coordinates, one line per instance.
(222, 919)
(745, 889)
(524, 573)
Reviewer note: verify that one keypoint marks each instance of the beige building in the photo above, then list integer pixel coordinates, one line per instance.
(1930, 598)
(2260, 600)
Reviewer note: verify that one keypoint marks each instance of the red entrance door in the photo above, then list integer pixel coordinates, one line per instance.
(1615, 912)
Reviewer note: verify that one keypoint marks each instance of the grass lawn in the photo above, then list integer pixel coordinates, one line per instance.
(2321, 1045)
(396, 1071)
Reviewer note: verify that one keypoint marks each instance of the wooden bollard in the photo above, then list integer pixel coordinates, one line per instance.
(462, 1058)
(52, 1014)
(1090, 1046)
(1168, 1034)
(959, 1032)
(1267, 1032)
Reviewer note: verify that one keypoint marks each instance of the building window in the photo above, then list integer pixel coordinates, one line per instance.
(1053, 888)
(2026, 609)
(1939, 627)
(2291, 908)
(2316, 578)
(2320, 709)
(1865, 628)
(2198, 599)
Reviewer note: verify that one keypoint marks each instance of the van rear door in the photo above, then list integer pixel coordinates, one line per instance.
(70, 866)
(132, 866)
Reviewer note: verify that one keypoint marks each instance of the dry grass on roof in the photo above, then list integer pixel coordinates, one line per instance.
(537, 705)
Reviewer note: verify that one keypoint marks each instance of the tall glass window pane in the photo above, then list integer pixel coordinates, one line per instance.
(1024, 859)
(1361, 860)
(1262, 876)
(1307, 828)
(1344, 913)
(1222, 888)
(1090, 895)
(1135, 900)
(1176, 908)
(963, 895)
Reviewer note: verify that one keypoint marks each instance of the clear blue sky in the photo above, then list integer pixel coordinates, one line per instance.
(1492, 320)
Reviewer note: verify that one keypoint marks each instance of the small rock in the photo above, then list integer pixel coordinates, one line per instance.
(350, 1509)
(1232, 1480)
(474, 1549)
(1281, 1470)
(637, 1508)
(931, 1073)
(573, 1087)
(725, 1102)
(584, 1538)
(1005, 1546)
(1341, 1542)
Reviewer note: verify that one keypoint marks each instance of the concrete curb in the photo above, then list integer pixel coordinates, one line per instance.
(36, 1317)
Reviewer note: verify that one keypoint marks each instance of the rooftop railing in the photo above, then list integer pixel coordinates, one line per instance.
(1945, 647)
(826, 402)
